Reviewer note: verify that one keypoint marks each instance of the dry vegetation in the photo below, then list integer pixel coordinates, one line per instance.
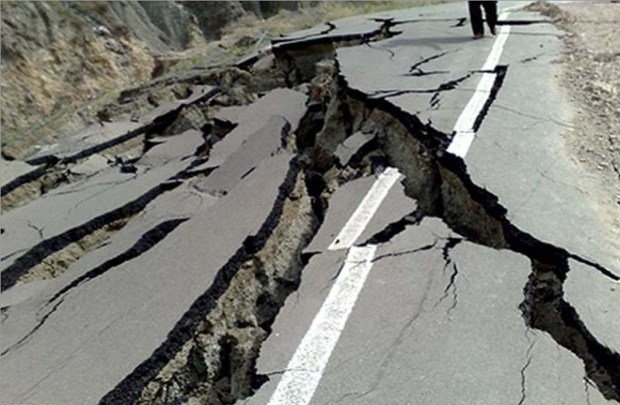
(60, 67)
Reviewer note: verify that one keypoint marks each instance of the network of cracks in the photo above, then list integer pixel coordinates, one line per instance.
(210, 354)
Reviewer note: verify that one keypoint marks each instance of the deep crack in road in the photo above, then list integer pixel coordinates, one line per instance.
(173, 301)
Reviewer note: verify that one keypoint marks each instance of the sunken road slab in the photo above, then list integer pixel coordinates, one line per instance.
(173, 147)
(74, 205)
(351, 146)
(108, 326)
(285, 103)
(265, 142)
(596, 299)
(12, 170)
(100, 136)
(344, 203)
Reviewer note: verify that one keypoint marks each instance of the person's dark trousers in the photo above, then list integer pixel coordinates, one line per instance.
(475, 14)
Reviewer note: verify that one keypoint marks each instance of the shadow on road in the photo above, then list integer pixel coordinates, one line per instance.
(430, 41)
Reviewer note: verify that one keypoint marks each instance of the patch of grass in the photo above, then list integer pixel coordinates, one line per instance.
(97, 8)
(9, 136)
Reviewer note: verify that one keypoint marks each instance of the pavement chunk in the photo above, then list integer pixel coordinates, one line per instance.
(173, 147)
(347, 149)
(265, 142)
(285, 103)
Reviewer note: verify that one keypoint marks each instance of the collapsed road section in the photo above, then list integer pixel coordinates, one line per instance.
(204, 289)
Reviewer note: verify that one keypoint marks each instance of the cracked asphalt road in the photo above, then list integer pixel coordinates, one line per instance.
(324, 244)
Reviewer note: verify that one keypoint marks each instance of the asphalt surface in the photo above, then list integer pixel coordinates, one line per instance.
(431, 329)
(409, 340)
(391, 308)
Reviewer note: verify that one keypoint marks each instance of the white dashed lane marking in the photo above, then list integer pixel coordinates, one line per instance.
(366, 210)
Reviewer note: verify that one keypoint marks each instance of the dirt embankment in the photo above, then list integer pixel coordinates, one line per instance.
(58, 55)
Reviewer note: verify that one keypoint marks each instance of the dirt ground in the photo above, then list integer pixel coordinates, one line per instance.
(591, 78)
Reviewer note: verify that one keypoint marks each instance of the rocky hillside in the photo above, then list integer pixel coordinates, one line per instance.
(59, 55)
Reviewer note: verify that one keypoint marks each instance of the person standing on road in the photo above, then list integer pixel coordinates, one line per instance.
(475, 15)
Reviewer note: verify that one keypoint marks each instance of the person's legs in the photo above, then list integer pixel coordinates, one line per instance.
(475, 15)
(490, 12)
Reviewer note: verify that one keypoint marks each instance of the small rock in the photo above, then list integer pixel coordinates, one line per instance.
(602, 86)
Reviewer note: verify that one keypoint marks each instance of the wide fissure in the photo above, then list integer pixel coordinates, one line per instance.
(438, 181)
(210, 355)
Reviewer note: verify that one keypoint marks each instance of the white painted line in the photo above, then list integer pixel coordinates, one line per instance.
(467, 119)
(464, 127)
(498, 45)
(461, 142)
(365, 211)
(306, 367)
